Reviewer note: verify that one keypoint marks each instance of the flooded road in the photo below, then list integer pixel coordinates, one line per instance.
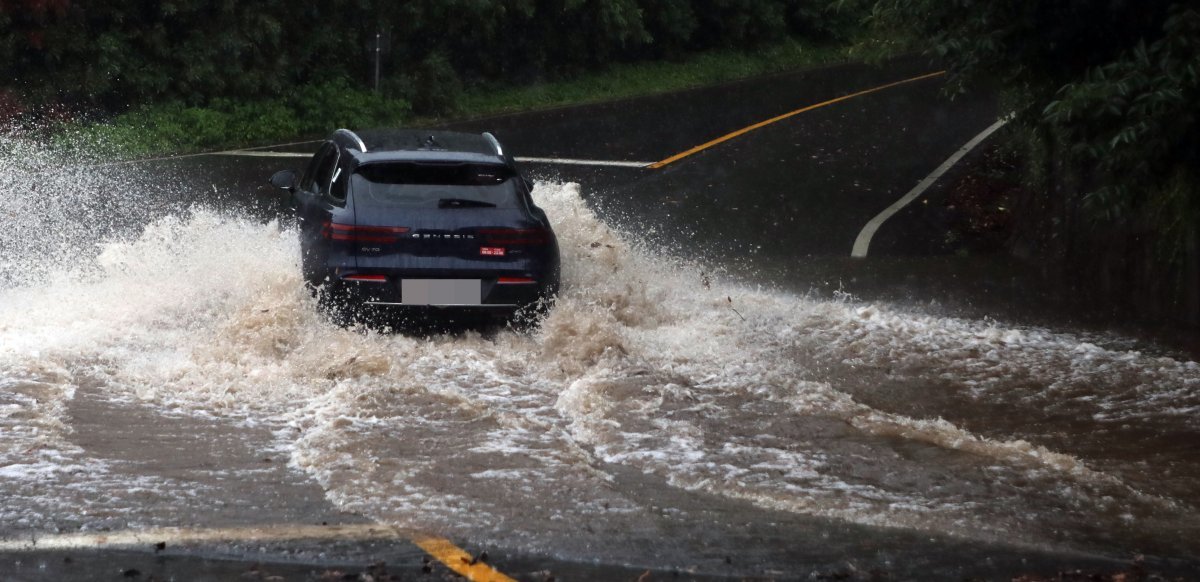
(162, 365)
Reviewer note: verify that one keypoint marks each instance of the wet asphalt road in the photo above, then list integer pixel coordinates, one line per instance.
(792, 190)
(781, 205)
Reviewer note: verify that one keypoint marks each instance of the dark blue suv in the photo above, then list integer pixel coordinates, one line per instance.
(434, 222)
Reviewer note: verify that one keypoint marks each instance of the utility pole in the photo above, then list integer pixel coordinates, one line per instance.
(378, 56)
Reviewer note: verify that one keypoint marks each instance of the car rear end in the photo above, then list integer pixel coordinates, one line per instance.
(430, 236)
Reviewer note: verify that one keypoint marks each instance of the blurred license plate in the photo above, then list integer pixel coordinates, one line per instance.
(440, 291)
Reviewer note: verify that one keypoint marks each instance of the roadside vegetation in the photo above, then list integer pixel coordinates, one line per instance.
(310, 111)
(192, 75)
(651, 77)
(1105, 141)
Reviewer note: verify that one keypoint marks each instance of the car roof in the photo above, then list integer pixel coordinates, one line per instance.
(420, 145)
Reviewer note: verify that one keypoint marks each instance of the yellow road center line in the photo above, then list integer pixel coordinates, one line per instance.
(441, 549)
(761, 124)
(458, 560)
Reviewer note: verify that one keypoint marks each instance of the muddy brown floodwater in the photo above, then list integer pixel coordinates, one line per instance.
(662, 415)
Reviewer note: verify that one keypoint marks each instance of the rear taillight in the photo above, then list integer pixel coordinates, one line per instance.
(362, 234)
(515, 281)
(367, 278)
(497, 242)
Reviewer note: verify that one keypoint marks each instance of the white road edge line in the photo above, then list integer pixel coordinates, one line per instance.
(557, 161)
(863, 242)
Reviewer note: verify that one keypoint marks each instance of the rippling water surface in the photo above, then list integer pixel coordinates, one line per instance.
(652, 379)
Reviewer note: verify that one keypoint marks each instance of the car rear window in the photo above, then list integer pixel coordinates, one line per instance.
(425, 185)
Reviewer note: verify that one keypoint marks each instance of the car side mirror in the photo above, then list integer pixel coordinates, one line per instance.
(284, 180)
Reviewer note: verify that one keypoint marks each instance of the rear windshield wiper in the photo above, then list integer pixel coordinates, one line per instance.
(463, 203)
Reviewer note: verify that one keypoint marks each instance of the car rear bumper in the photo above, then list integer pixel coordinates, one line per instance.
(497, 294)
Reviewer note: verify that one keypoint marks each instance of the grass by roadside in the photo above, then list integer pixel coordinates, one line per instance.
(648, 78)
(312, 111)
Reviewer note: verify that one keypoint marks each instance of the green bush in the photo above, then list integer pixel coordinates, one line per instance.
(434, 88)
(264, 121)
(337, 104)
(174, 127)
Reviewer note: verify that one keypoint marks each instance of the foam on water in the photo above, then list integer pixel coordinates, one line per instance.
(645, 370)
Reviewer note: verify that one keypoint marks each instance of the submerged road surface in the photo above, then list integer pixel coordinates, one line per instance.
(167, 388)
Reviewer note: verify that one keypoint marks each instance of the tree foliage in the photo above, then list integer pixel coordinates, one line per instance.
(1109, 93)
(121, 52)
(1117, 81)
(1135, 117)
